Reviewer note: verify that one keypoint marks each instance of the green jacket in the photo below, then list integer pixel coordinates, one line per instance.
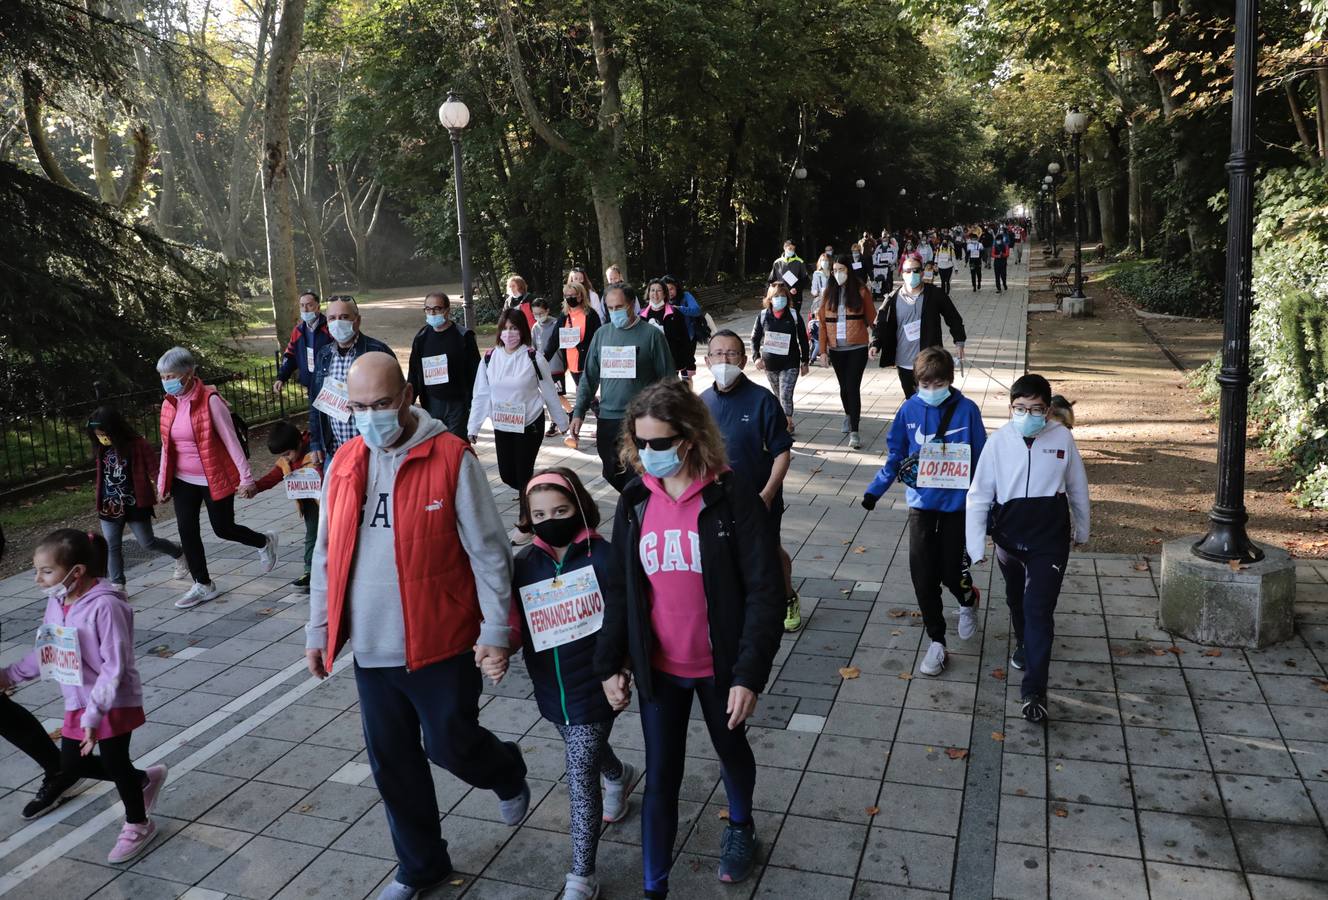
(653, 362)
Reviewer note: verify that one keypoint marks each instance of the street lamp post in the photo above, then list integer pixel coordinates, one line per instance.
(800, 174)
(455, 116)
(1050, 182)
(862, 200)
(1076, 123)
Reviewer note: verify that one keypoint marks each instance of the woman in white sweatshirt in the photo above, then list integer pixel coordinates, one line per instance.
(513, 388)
(1029, 491)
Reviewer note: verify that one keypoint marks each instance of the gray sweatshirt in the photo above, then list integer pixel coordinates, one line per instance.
(377, 629)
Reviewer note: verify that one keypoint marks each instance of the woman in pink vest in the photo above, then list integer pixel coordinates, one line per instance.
(203, 464)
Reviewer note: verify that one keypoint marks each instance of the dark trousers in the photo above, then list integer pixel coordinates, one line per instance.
(998, 269)
(454, 413)
(664, 723)
(945, 278)
(975, 273)
(849, 365)
(607, 432)
(935, 558)
(442, 702)
(109, 763)
(517, 452)
(1032, 586)
(21, 728)
(309, 513)
(189, 502)
(113, 531)
(907, 382)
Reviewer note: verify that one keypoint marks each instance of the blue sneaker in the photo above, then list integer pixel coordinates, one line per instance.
(737, 853)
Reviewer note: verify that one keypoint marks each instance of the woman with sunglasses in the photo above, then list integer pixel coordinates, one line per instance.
(701, 614)
(845, 310)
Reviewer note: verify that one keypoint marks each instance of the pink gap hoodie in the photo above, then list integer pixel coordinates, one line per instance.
(670, 551)
(105, 624)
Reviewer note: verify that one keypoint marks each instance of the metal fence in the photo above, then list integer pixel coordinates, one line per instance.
(42, 443)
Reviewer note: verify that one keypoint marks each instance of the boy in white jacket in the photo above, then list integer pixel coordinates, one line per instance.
(1030, 493)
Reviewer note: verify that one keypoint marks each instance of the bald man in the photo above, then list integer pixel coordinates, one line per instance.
(412, 569)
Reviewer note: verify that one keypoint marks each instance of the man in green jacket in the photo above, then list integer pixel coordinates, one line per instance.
(623, 360)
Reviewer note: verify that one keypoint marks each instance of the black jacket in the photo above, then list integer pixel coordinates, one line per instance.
(566, 687)
(744, 588)
(674, 325)
(936, 305)
(463, 357)
(789, 323)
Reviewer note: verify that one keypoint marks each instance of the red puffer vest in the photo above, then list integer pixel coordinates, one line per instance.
(222, 476)
(439, 604)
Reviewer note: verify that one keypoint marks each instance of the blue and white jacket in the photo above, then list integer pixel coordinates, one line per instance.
(1031, 495)
(915, 424)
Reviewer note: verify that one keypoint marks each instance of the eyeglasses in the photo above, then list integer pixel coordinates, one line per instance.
(726, 354)
(435, 310)
(659, 443)
(1025, 410)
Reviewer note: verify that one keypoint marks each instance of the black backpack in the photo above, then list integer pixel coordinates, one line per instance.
(241, 431)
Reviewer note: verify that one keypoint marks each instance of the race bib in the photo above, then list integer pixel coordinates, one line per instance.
(435, 369)
(563, 609)
(974, 248)
(309, 358)
(303, 484)
(841, 329)
(332, 400)
(857, 265)
(943, 259)
(617, 362)
(58, 654)
(790, 279)
(913, 330)
(944, 466)
(569, 337)
(510, 417)
(776, 343)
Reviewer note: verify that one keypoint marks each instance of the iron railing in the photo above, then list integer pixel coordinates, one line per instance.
(41, 443)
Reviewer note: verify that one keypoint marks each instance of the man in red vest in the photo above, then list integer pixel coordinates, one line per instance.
(412, 569)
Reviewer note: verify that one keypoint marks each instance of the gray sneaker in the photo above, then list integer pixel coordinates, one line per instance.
(617, 792)
(199, 593)
(578, 887)
(934, 662)
(267, 557)
(968, 622)
(854, 441)
(847, 426)
(514, 810)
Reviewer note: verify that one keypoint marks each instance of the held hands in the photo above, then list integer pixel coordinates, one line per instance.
(494, 668)
(742, 703)
(247, 491)
(618, 690)
(163, 495)
(89, 742)
(317, 455)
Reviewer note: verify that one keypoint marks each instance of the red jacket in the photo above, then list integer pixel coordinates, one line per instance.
(439, 603)
(143, 473)
(222, 476)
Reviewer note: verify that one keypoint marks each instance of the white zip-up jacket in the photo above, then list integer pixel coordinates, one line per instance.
(1035, 498)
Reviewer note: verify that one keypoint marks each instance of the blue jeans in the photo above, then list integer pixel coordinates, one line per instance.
(113, 531)
(664, 721)
(1032, 587)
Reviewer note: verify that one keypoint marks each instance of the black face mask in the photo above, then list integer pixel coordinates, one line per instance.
(558, 532)
(572, 301)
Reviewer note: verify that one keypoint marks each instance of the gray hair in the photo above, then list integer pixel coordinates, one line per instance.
(177, 359)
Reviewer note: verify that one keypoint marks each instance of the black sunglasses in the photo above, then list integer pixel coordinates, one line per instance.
(660, 443)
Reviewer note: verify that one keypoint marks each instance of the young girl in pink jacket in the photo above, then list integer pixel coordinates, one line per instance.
(86, 645)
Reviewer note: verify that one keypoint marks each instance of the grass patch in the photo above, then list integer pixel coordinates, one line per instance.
(59, 505)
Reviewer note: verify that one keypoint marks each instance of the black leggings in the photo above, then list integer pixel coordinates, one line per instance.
(975, 272)
(998, 268)
(849, 365)
(517, 452)
(907, 382)
(189, 502)
(21, 728)
(945, 278)
(109, 763)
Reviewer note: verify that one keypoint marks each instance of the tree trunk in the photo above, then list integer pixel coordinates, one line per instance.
(1298, 116)
(1321, 82)
(32, 117)
(608, 216)
(102, 174)
(280, 226)
(1134, 173)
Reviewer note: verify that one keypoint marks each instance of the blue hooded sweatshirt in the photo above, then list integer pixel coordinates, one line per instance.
(915, 424)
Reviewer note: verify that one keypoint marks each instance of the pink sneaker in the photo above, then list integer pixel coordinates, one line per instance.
(152, 790)
(133, 840)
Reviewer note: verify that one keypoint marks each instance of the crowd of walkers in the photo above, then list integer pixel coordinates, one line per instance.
(410, 569)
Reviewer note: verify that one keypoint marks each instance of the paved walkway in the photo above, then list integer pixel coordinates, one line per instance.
(1169, 770)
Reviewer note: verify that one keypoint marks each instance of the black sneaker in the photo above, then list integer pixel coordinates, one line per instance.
(1017, 659)
(737, 853)
(1035, 709)
(301, 584)
(54, 790)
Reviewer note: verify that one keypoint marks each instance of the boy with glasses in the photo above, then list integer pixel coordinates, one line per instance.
(1031, 493)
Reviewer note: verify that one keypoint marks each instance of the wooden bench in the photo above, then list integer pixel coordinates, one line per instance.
(1063, 284)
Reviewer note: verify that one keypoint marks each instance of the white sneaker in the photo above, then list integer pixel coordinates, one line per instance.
(968, 622)
(616, 793)
(267, 557)
(199, 593)
(181, 570)
(854, 441)
(934, 662)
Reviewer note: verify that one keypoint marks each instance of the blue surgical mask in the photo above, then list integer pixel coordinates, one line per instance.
(913, 278)
(618, 317)
(661, 463)
(437, 321)
(173, 386)
(309, 316)
(1029, 424)
(378, 427)
(342, 330)
(779, 303)
(934, 396)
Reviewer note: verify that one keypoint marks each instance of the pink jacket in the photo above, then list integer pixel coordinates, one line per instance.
(105, 624)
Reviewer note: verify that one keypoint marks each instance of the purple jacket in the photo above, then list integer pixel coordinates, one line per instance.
(105, 624)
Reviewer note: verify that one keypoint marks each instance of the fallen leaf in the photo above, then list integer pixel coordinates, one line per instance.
(267, 611)
(998, 673)
(1174, 649)
(1141, 567)
(905, 676)
(846, 591)
(998, 736)
(1212, 652)
(1234, 565)
(1061, 812)
(1021, 792)
(956, 753)
(306, 807)
(916, 614)
(849, 672)
(1157, 651)
(845, 543)
(896, 633)
(898, 613)
(873, 810)
(1289, 662)
(1121, 651)
(859, 549)
(457, 882)
(723, 814)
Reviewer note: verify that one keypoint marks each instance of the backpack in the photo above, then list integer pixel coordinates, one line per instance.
(241, 431)
(530, 351)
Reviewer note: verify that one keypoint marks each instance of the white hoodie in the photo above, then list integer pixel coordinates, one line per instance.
(1024, 490)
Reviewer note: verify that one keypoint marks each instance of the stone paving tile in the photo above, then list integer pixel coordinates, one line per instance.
(1088, 876)
(262, 869)
(1021, 872)
(908, 858)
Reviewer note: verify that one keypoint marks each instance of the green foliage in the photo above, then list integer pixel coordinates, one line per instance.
(1167, 288)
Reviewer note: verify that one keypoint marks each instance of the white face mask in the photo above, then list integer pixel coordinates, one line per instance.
(841, 277)
(342, 330)
(725, 374)
(656, 303)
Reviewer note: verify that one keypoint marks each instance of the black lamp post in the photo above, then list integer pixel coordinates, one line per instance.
(862, 210)
(800, 174)
(455, 116)
(1226, 539)
(1053, 173)
(1076, 123)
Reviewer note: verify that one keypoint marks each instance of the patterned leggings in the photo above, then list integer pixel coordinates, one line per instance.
(782, 385)
(588, 756)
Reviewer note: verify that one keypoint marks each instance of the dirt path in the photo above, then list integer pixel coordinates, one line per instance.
(1149, 447)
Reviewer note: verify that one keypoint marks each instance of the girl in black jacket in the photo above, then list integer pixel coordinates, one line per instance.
(660, 312)
(559, 586)
(701, 613)
(779, 343)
